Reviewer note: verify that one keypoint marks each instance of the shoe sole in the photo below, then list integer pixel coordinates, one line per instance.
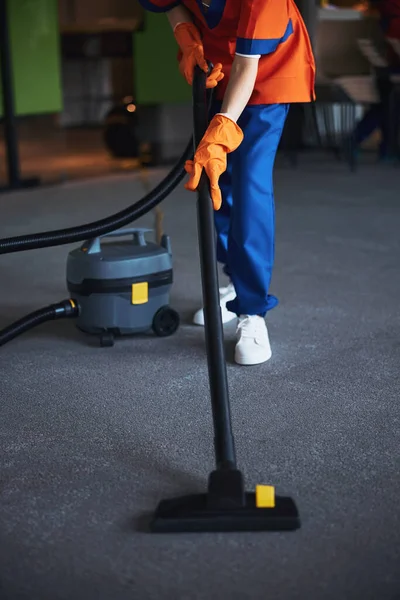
(250, 363)
(223, 322)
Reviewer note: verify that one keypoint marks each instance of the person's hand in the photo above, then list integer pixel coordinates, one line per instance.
(215, 76)
(222, 137)
(192, 54)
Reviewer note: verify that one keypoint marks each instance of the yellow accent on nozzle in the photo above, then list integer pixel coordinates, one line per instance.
(265, 496)
(72, 303)
(140, 293)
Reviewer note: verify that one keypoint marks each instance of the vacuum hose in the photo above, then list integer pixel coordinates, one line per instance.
(66, 309)
(107, 225)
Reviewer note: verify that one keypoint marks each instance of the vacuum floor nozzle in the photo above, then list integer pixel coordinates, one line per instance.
(194, 514)
(226, 507)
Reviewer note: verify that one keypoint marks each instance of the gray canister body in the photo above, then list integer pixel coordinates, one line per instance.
(120, 285)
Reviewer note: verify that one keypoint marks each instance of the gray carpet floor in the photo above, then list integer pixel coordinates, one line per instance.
(91, 439)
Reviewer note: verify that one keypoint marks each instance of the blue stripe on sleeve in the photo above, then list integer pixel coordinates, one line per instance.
(246, 46)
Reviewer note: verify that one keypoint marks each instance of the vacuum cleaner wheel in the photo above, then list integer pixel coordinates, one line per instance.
(107, 339)
(165, 321)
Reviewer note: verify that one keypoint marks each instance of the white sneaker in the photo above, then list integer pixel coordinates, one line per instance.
(253, 345)
(226, 295)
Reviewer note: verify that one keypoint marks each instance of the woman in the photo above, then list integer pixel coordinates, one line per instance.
(263, 62)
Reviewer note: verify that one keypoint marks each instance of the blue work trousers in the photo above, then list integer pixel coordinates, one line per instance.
(245, 223)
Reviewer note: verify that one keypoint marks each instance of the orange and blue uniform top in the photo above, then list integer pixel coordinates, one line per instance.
(271, 29)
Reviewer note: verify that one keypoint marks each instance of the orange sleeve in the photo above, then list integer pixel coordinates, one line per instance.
(159, 5)
(263, 25)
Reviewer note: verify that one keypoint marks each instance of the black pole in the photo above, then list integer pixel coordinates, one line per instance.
(10, 124)
(214, 335)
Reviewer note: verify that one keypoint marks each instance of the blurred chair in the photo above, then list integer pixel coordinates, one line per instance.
(350, 60)
(344, 81)
(385, 86)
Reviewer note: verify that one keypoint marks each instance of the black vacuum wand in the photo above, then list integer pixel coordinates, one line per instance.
(225, 506)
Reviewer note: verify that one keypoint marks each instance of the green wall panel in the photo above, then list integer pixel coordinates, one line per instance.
(35, 47)
(157, 78)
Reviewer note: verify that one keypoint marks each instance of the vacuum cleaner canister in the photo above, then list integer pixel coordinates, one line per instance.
(122, 286)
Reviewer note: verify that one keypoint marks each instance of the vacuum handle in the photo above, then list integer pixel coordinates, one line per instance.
(214, 335)
(94, 246)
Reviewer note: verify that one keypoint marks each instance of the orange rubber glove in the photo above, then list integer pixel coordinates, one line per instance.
(192, 54)
(222, 137)
(215, 76)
